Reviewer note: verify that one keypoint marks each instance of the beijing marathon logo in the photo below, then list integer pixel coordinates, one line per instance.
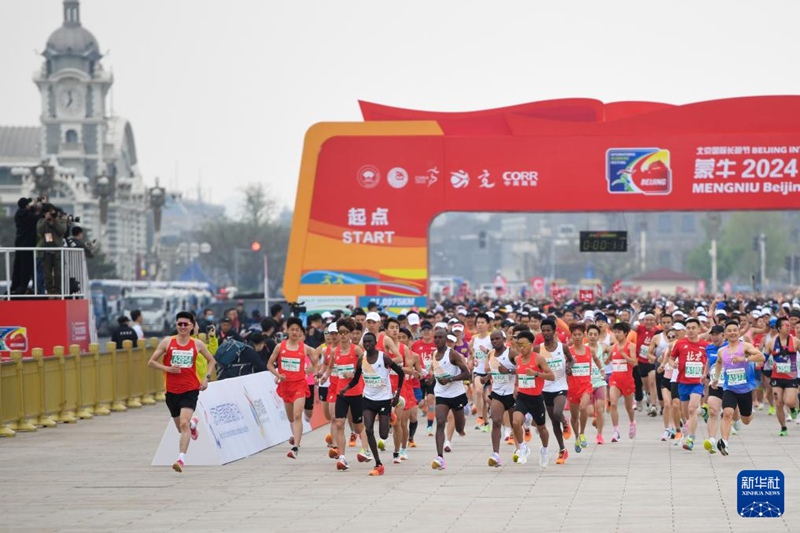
(761, 494)
(638, 171)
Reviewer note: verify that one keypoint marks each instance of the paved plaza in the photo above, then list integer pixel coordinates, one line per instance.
(96, 476)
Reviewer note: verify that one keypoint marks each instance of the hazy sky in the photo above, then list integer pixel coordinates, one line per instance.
(220, 93)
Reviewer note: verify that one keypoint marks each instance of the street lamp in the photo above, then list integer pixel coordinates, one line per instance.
(157, 196)
(102, 191)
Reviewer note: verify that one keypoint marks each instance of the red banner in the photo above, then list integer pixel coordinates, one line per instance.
(586, 295)
(44, 324)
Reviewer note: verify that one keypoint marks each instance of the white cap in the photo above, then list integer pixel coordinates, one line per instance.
(462, 311)
(413, 319)
(641, 316)
(490, 314)
(440, 325)
(720, 312)
(332, 328)
(375, 317)
(458, 327)
(651, 315)
(700, 309)
(679, 326)
(327, 315)
(702, 318)
(452, 338)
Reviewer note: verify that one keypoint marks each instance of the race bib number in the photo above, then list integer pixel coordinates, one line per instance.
(556, 365)
(290, 364)
(499, 378)
(736, 376)
(580, 370)
(619, 366)
(341, 370)
(427, 363)
(480, 355)
(693, 369)
(783, 368)
(526, 382)
(643, 351)
(183, 358)
(372, 380)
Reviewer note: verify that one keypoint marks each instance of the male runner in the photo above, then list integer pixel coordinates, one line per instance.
(559, 360)
(580, 384)
(503, 376)
(480, 346)
(689, 358)
(784, 373)
(623, 360)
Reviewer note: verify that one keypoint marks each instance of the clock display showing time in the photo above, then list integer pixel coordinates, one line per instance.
(604, 241)
(70, 100)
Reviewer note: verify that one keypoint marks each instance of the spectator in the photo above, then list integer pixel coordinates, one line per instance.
(50, 231)
(76, 241)
(248, 360)
(315, 335)
(269, 330)
(137, 320)
(25, 221)
(276, 312)
(227, 331)
(205, 321)
(123, 332)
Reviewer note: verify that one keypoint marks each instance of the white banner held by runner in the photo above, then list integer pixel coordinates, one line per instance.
(237, 417)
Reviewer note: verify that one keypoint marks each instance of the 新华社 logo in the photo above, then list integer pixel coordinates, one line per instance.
(761, 494)
(368, 176)
(638, 171)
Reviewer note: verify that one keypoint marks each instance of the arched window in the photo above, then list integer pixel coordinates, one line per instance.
(72, 137)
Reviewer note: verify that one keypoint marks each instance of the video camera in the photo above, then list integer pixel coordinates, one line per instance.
(295, 308)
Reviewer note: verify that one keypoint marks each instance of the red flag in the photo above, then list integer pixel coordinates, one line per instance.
(616, 286)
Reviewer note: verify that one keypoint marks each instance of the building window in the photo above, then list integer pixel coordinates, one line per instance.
(664, 259)
(688, 222)
(72, 137)
(665, 223)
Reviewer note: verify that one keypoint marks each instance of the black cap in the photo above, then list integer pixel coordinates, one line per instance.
(123, 319)
(226, 319)
(717, 329)
(23, 202)
(425, 325)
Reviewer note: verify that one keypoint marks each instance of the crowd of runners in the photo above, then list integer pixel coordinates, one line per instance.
(517, 366)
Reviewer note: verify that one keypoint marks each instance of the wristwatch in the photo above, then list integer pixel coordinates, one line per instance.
(208, 376)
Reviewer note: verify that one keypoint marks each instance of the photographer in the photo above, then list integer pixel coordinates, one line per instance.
(25, 220)
(50, 231)
(76, 241)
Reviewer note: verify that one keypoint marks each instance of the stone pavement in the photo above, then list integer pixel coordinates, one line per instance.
(96, 476)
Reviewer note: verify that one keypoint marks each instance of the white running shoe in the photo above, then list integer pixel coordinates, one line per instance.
(524, 452)
(528, 420)
(544, 458)
(447, 446)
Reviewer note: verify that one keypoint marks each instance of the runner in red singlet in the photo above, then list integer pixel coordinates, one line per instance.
(183, 386)
(623, 361)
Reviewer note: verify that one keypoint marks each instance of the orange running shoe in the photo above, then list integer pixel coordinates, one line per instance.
(333, 453)
(562, 457)
(328, 439)
(527, 434)
(392, 420)
(567, 432)
(411, 443)
(353, 439)
(377, 471)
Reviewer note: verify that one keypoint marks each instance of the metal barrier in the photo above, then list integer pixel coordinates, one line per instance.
(68, 386)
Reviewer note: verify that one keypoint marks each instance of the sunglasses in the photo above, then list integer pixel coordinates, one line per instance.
(523, 344)
(183, 324)
(671, 337)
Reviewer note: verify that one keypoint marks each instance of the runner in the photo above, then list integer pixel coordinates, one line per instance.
(343, 365)
(325, 381)
(644, 336)
(479, 348)
(689, 358)
(599, 382)
(290, 375)
(377, 393)
(661, 347)
(580, 384)
(623, 360)
(717, 339)
(736, 363)
(784, 373)
(532, 370)
(559, 360)
(448, 369)
(425, 347)
(502, 368)
(406, 407)
(179, 355)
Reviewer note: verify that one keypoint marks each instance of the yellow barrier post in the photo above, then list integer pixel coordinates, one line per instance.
(5, 431)
(158, 376)
(145, 373)
(82, 411)
(22, 423)
(100, 407)
(133, 399)
(67, 414)
(44, 419)
(116, 404)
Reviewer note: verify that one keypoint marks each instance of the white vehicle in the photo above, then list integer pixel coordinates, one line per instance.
(157, 307)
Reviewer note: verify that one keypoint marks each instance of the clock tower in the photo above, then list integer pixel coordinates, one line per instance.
(73, 87)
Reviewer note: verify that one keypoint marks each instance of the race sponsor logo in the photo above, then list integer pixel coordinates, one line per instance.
(397, 178)
(638, 171)
(521, 178)
(428, 179)
(368, 176)
(459, 179)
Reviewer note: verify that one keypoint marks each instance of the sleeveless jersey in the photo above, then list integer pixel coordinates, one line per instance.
(532, 386)
(581, 369)
(445, 368)
(558, 364)
(620, 365)
(292, 363)
(643, 339)
(739, 377)
(502, 384)
(344, 364)
(598, 376)
(481, 349)
(376, 379)
(785, 357)
(184, 357)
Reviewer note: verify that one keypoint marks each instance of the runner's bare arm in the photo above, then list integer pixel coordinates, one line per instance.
(544, 368)
(158, 354)
(271, 363)
(458, 360)
(753, 354)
